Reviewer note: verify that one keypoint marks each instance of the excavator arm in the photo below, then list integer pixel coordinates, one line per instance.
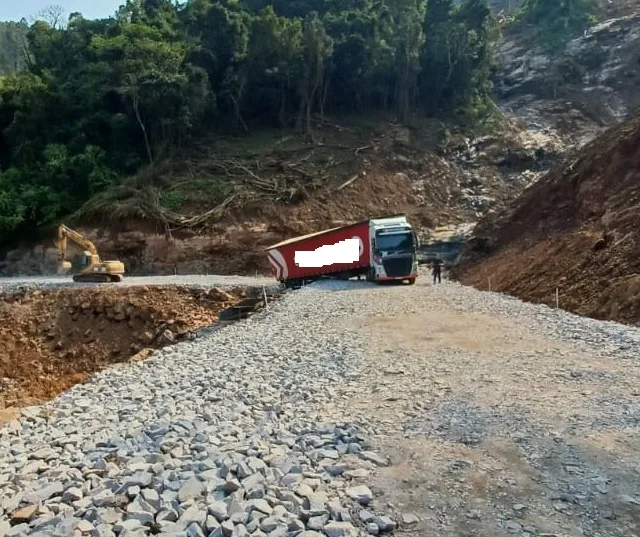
(65, 233)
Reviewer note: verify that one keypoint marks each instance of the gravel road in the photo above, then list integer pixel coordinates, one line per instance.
(346, 409)
(7, 284)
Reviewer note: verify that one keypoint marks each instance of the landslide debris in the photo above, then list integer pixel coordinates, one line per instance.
(577, 229)
(55, 338)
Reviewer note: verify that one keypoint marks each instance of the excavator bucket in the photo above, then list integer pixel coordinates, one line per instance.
(64, 267)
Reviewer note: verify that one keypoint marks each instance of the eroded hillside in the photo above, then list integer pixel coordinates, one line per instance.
(574, 93)
(577, 230)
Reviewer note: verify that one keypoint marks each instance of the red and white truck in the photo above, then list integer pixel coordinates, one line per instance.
(382, 249)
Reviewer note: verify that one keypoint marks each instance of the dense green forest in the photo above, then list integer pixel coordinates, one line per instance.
(99, 99)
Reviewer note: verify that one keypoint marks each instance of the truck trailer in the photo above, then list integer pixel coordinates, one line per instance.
(381, 249)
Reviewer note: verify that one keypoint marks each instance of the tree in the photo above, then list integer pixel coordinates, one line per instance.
(457, 53)
(146, 70)
(557, 21)
(409, 41)
(274, 64)
(53, 15)
(317, 47)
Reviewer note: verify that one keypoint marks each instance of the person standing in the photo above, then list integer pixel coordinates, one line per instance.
(437, 271)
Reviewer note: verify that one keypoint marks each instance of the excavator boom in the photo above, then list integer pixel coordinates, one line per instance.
(96, 270)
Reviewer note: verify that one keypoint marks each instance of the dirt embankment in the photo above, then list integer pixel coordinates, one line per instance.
(577, 230)
(55, 338)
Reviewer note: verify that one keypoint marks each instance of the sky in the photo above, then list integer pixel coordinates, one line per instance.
(90, 9)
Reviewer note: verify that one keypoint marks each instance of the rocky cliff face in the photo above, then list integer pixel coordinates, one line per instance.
(574, 95)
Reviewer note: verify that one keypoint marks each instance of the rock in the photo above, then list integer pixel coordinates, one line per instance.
(317, 503)
(84, 527)
(227, 528)
(39, 496)
(191, 490)
(372, 528)
(328, 454)
(384, 523)
(335, 470)
(259, 505)
(340, 529)
(296, 525)
(137, 510)
(240, 531)
(211, 523)
(317, 522)
(194, 514)
(269, 524)
(194, 530)
(513, 526)
(218, 510)
(304, 490)
(152, 497)
(18, 530)
(374, 458)
(25, 514)
(362, 494)
(366, 516)
(44, 453)
(360, 473)
(72, 494)
(409, 519)
(106, 498)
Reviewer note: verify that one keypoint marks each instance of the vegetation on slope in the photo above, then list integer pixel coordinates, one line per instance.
(102, 98)
(555, 22)
(98, 100)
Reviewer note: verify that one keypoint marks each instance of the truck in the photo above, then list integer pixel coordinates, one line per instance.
(381, 249)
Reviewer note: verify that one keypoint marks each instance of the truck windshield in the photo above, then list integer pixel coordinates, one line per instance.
(402, 242)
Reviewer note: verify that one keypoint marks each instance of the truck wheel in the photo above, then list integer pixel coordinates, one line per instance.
(411, 281)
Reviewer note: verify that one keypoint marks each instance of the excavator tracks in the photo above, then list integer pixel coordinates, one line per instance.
(97, 278)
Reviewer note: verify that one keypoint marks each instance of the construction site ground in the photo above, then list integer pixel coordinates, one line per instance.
(56, 333)
(496, 417)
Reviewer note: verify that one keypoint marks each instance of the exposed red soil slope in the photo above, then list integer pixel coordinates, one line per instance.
(53, 339)
(577, 229)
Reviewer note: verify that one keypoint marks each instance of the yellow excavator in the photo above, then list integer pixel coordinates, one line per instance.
(94, 269)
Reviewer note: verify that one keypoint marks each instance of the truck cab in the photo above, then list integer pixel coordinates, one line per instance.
(394, 250)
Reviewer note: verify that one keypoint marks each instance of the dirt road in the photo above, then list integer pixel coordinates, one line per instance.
(499, 417)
